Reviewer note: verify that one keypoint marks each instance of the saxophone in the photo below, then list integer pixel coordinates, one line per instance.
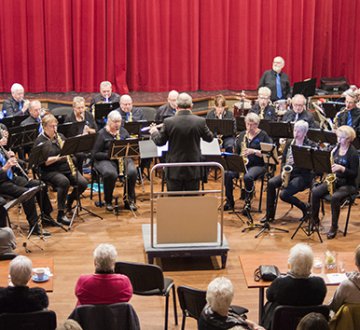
(331, 177)
(120, 160)
(286, 171)
(243, 148)
(261, 114)
(68, 157)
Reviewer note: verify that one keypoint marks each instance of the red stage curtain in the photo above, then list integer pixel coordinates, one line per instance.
(158, 45)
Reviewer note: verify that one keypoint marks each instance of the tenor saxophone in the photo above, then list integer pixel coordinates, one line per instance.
(68, 157)
(331, 177)
(243, 149)
(120, 160)
(285, 175)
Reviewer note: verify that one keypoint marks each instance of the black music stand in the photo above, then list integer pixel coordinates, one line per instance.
(38, 156)
(23, 136)
(319, 162)
(13, 121)
(332, 108)
(322, 136)
(124, 149)
(240, 124)
(103, 109)
(306, 87)
(134, 127)
(224, 127)
(279, 129)
(71, 129)
(73, 145)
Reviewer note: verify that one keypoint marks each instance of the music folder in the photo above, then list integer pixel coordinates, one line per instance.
(103, 109)
(306, 87)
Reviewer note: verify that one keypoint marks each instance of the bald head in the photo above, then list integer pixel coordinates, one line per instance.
(172, 97)
(126, 103)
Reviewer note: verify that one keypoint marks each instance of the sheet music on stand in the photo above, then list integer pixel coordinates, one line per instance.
(322, 136)
(22, 136)
(312, 159)
(124, 148)
(280, 129)
(76, 144)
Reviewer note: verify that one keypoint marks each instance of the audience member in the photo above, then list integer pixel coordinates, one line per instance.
(313, 321)
(297, 287)
(15, 105)
(7, 239)
(217, 314)
(103, 287)
(18, 297)
(348, 292)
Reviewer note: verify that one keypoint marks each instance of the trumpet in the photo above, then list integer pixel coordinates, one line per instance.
(18, 166)
(285, 175)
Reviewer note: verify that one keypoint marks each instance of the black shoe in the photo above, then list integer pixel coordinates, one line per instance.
(109, 207)
(37, 231)
(48, 221)
(130, 206)
(64, 220)
(267, 219)
(332, 233)
(228, 206)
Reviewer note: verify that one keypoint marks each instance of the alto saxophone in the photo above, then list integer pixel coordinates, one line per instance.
(287, 169)
(331, 177)
(68, 157)
(243, 149)
(120, 160)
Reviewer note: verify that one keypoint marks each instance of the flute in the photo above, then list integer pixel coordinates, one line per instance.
(147, 128)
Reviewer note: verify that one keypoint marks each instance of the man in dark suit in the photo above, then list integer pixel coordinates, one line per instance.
(35, 112)
(350, 115)
(183, 132)
(168, 109)
(15, 105)
(128, 112)
(106, 95)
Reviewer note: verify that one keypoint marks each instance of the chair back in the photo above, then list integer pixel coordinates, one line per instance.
(347, 317)
(109, 317)
(40, 320)
(146, 279)
(288, 317)
(192, 301)
(149, 113)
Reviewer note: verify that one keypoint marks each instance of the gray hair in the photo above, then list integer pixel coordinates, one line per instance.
(253, 117)
(114, 115)
(301, 260)
(302, 124)
(219, 295)
(173, 94)
(105, 84)
(20, 270)
(299, 96)
(77, 100)
(15, 87)
(33, 103)
(264, 90)
(125, 98)
(184, 101)
(105, 257)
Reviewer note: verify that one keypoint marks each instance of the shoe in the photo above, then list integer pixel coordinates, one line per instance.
(37, 231)
(47, 220)
(64, 220)
(267, 219)
(228, 206)
(109, 207)
(130, 206)
(332, 233)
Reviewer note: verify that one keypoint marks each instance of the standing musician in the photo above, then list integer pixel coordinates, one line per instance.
(345, 164)
(14, 183)
(59, 171)
(248, 146)
(299, 112)
(262, 107)
(80, 115)
(110, 169)
(220, 112)
(350, 115)
(298, 179)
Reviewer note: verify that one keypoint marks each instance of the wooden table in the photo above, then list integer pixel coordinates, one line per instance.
(37, 262)
(251, 261)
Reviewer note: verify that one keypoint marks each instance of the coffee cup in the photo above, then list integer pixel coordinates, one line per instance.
(40, 273)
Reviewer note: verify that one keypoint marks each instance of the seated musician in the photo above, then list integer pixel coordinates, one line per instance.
(14, 182)
(298, 179)
(58, 170)
(262, 107)
(168, 109)
(350, 115)
(247, 145)
(299, 112)
(220, 112)
(106, 95)
(35, 113)
(128, 111)
(111, 169)
(80, 115)
(15, 105)
(345, 166)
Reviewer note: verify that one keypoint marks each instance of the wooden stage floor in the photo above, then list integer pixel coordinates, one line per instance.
(72, 252)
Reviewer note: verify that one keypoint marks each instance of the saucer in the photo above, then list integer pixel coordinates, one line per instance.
(44, 279)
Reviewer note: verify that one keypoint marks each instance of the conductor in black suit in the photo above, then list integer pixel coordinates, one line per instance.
(183, 132)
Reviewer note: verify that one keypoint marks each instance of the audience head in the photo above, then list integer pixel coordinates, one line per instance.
(278, 64)
(126, 103)
(347, 133)
(104, 258)
(17, 92)
(350, 100)
(79, 106)
(301, 260)
(172, 97)
(264, 96)
(35, 109)
(20, 270)
(184, 101)
(219, 295)
(105, 89)
(357, 257)
(298, 103)
(313, 321)
(301, 128)
(69, 324)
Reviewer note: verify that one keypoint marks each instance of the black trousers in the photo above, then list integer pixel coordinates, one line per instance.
(182, 185)
(336, 200)
(109, 171)
(62, 182)
(296, 184)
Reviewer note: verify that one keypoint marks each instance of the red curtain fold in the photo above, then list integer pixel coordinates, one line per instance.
(158, 45)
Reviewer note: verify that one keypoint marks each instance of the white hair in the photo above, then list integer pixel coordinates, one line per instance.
(15, 87)
(173, 94)
(105, 257)
(303, 125)
(114, 115)
(264, 90)
(301, 260)
(20, 270)
(105, 84)
(125, 98)
(219, 295)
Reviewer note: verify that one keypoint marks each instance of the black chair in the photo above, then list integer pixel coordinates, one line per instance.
(288, 317)
(8, 256)
(148, 280)
(41, 320)
(149, 113)
(109, 317)
(61, 112)
(192, 302)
